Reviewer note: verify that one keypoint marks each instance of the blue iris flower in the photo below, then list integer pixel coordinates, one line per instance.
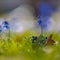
(43, 22)
(5, 25)
(44, 9)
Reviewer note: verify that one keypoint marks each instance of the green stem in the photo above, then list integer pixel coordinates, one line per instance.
(41, 31)
(9, 35)
(0, 36)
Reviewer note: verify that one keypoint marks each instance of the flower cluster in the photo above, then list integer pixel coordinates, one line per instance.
(38, 40)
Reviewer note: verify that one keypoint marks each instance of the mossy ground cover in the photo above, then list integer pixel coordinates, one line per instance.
(19, 47)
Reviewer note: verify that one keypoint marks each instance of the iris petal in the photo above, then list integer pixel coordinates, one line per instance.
(6, 27)
(44, 9)
(44, 22)
(5, 23)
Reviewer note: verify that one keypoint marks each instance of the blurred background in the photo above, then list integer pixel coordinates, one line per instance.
(6, 5)
(23, 14)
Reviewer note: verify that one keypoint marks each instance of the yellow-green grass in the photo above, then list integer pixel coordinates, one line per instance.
(20, 48)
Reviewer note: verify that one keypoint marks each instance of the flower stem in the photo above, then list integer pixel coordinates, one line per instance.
(9, 34)
(41, 31)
